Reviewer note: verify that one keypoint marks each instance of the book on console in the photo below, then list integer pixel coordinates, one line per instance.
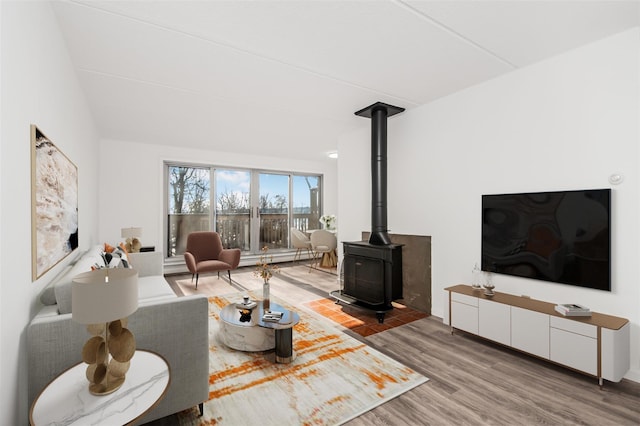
(573, 307)
(573, 310)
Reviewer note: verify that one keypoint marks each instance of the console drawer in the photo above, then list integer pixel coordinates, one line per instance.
(574, 350)
(464, 317)
(574, 327)
(463, 298)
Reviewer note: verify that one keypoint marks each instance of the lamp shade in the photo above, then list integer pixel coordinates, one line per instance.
(104, 295)
(131, 232)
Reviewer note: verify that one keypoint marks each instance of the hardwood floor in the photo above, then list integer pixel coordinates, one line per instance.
(473, 382)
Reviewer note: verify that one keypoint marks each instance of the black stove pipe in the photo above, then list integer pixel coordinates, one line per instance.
(379, 112)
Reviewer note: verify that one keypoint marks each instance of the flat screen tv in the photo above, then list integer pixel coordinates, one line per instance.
(562, 236)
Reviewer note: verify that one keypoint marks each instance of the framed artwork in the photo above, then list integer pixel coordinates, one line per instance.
(54, 204)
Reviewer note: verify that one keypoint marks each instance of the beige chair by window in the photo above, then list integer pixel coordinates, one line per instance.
(205, 254)
(323, 244)
(300, 242)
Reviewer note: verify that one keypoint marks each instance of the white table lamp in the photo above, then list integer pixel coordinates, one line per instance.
(103, 299)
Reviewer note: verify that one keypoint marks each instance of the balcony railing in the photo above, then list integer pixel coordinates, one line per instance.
(234, 230)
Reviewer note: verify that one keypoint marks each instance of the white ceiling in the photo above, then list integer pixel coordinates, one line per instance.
(283, 78)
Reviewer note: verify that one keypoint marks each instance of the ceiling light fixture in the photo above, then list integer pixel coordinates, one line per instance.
(333, 154)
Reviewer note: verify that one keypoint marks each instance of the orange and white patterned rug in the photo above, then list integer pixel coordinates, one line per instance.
(334, 377)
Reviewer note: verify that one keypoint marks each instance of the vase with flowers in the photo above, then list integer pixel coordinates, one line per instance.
(265, 270)
(329, 221)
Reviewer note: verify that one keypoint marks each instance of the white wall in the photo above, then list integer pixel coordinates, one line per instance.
(132, 190)
(566, 123)
(38, 86)
(1, 208)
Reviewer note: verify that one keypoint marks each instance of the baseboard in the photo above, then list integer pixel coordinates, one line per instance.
(177, 265)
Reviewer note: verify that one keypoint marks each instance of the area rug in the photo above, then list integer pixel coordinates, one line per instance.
(363, 322)
(298, 275)
(333, 379)
(210, 285)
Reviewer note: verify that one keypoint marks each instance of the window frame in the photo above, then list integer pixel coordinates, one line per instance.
(254, 177)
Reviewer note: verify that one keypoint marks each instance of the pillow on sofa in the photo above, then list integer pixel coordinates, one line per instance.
(48, 295)
(115, 257)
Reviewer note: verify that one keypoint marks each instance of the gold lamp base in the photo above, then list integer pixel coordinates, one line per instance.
(108, 354)
(100, 389)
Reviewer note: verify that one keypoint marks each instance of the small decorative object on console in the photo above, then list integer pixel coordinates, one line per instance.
(488, 290)
(573, 310)
(488, 285)
(476, 275)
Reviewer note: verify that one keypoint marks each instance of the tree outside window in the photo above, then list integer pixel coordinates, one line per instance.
(189, 205)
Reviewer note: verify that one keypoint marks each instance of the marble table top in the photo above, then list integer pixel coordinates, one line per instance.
(67, 401)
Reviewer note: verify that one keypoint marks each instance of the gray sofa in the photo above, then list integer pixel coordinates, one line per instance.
(175, 327)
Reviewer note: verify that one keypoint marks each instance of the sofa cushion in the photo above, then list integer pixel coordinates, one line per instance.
(153, 287)
(147, 263)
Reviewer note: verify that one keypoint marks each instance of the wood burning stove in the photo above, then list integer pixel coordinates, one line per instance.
(372, 275)
(373, 270)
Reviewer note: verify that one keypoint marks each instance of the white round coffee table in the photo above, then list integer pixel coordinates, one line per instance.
(256, 335)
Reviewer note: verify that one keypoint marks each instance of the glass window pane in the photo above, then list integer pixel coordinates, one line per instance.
(188, 206)
(306, 202)
(232, 208)
(252, 209)
(274, 210)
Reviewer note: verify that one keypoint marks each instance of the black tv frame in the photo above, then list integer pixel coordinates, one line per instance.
(562, 237)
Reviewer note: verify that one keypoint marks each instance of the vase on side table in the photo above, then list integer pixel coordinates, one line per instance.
(265, 295)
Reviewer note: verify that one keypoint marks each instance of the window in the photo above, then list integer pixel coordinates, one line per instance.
(233, 208)
(253, 208)
(305, 202)
(188, 205)
(272, 217)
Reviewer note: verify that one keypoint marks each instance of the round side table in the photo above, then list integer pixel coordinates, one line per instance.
(66, 400)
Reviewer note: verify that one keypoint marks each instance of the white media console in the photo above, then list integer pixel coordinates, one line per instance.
(598, 345)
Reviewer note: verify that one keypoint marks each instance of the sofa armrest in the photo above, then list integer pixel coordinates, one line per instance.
(147, 263)
(54, 343)
(177, 329)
